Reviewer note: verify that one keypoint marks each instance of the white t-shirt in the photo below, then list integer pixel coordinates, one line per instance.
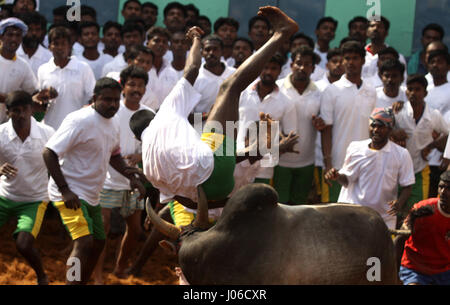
(348, 109)
(385, 101)
(279, 107)
(323, 57)
(374, 176)
(84, 143)
(306, 105)
(30, 183)
(420, 134)
(318, 73)
(40, 57)
(430, 81)
(208, 85)
(175, 159)
(15, 75)
(321, 84)
(75, 86)
(116, 65)
(98, 64)
(370, 67)
(128, 145)
(162, 82)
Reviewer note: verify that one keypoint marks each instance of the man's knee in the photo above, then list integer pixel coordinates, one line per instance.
(24, 242)
(84, 244)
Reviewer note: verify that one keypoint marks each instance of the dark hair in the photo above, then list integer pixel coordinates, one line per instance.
(131, 27)
(279, 59)
(417, 78)
(353, 47)
(136, 50)
(305, 51)
(18, 98)
(192, 7)
(385, 22)
(34, 2)
(213, 37)
(34, 18)
(226, 20)
(139, 121)
(150, 4)
(59, 31)
(392, 64)
(60, 10)
(173, 5)
(111, 24)
(203, 17)
(248, 41)
(106, 83)
(129, 1)
(157, 30)
(358, 19)
(254, 19)
(435, 27)
(303, 36)
(87, 24)
(88, 10)
(327, 19)
(389, 50)
(133, 72)
(333, 52)
(348, 38)
(439, 52)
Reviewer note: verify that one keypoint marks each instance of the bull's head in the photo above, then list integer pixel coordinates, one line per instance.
(173, 232)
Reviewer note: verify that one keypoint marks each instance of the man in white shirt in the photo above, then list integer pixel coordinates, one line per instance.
(419, 121)
(116, 192)
(89, 37)
(212, 74)
(325, 32)
(345, 107)
(438, 97)
(434, 46)
(86, 142)
(73, 79)
(391, 72)
(179, 48)
(293, 176)
(16, 73)
(31, 50)
(23, 185)
(383, 55)
(227, 29)
(189, 166)
(265, 96)
(162, 78)
(374, 168)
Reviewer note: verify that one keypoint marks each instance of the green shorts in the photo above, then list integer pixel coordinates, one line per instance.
(29, 215)
(221, 182)
(293, 184)
(87, 220)
(330, 194)
(419, 190)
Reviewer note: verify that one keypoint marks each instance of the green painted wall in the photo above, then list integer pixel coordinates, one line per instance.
(400, 13)
(211, 8)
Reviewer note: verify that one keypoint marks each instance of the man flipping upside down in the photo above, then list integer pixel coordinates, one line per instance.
(176, 160)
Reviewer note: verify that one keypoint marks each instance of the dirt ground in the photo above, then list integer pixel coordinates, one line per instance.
(55, 247)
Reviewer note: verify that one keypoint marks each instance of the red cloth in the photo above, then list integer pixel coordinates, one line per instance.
(427, 250)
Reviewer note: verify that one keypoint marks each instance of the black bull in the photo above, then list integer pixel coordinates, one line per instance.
(256, 240)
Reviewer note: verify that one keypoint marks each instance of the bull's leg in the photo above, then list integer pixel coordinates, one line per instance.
(226, 106)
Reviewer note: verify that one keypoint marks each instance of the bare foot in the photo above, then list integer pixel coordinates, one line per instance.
(280, 22)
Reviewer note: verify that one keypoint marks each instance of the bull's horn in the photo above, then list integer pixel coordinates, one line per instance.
(400, 232)
(201, 219)
(166, 228)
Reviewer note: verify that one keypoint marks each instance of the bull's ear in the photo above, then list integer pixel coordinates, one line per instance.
(168, 246)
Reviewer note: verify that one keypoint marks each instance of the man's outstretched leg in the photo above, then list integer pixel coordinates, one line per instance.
(226, 106)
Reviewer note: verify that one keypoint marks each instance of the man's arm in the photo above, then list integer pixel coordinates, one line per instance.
(51, 160)
(325, 137)
(194, 60)
(119, 165)
(397, 205)
(333, 174)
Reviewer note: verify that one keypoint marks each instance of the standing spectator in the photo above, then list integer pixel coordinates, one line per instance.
(16, 73)
(205, 24)
(427, 251)
(23, 187)
(179, 47)
(258, 31)
(112, 40)
(417, 63)
(293, 176)
(73, 79)
(391, 73)
(242, 49)
(31, 48)
(192, 13)
(345, 107)
(89, 33)
(23, 6)
(227, 28)
(434, 46)
(374, 168)
(325, 32)
(87, 141)
(385, 54)
(149, 14)
(175, 17)
(357, 29)
(131, 9)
